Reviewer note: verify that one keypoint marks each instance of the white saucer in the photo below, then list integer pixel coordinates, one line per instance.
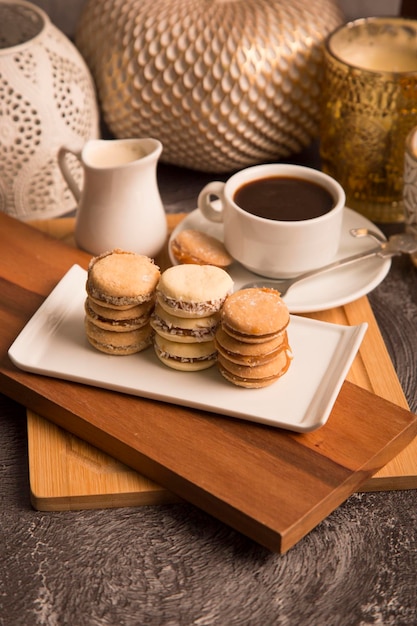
(325, 291)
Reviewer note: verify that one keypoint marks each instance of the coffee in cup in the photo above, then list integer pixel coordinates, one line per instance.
(279, 219)
(284, 198)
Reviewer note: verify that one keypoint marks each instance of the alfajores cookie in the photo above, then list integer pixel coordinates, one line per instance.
(186, 357)
(121, 279)
(250, 354)
(184, 329)
(254, 377)
(193, 246)
(118, 343)
(193, 290)
(119, 313)
(255, 315)
(118, 320)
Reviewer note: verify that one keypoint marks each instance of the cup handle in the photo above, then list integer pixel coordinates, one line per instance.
(205, 202)
(66, 173)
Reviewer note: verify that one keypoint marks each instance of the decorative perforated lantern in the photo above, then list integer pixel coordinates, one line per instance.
(47, 99)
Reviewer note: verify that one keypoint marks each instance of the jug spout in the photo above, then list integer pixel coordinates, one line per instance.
(109, 154)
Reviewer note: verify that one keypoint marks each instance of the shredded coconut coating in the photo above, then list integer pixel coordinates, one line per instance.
(208, 307)
(185, 359)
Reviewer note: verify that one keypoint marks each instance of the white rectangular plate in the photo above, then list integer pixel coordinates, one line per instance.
(53, 343)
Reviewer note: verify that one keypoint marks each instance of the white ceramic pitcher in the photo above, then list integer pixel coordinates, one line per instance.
(119, 205)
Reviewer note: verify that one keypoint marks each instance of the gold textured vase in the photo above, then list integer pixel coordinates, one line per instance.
(223, 84)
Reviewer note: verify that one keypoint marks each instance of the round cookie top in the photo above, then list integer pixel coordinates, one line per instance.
(192, 289)
(122, 278)
(255, 312)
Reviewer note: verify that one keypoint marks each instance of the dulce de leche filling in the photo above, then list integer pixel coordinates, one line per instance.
(199, 333)
(252, 360)
(191, 307)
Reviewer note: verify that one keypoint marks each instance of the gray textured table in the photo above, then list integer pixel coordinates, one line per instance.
(175, 565)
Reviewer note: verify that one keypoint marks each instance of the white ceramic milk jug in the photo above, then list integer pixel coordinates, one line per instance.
(119, 205)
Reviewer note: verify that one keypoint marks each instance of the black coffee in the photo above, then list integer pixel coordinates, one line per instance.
(284, 198)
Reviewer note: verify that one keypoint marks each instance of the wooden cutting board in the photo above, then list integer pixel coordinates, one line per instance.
(270, 484)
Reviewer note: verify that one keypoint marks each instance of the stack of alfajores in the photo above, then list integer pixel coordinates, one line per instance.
(252, 341)
(120, 299)
(189, 300)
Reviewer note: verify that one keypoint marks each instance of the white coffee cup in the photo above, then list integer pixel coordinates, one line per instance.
(270, 247)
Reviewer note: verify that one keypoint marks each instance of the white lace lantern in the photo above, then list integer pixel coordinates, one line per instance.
(47, 99)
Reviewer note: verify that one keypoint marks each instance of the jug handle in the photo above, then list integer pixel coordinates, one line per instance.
(69, 179)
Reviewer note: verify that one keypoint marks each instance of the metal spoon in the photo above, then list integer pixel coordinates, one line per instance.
(395, 245)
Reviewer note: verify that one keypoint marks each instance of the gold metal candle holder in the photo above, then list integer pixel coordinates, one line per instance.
(369, 106)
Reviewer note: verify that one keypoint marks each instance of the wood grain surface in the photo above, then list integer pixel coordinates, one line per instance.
(272, 485)
(68, 473)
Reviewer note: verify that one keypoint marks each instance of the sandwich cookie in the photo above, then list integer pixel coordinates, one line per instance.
(255, 315)
(186, 357)
(252, 340)
(184, 329)
(192, 290)
(193, 246)
(250, 354)
(254, 376)
(118, 343)
(122, 279)
(118, 320)
(119, 313)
